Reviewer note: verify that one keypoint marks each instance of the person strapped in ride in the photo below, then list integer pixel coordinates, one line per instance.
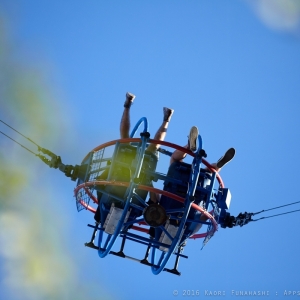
(180, 171)
(151, 158)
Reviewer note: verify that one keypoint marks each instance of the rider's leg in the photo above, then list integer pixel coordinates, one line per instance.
(226, 158)
(178, 155)
(125, 120)
(160, 136)
(191, 145)
(162, 130)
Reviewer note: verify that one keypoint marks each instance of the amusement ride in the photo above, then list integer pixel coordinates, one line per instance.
(114, 187)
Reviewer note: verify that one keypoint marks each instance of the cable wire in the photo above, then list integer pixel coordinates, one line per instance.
(18, 143)
(20, 134)
(264, 210)
(289, 212)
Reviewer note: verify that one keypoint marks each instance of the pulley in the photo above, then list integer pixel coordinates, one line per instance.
(155, 215)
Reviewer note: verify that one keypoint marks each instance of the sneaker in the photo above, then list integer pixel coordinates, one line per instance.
(228, 156)
(129, 100)
(193, 138)
(168, 112)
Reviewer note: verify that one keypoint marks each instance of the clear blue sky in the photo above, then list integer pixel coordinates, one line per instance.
(227, 67)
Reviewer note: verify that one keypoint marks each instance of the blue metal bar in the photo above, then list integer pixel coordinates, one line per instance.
(174, 244)
(134, 240)
(140, 158)
(156, 176)
(130, 189)
(175, 210)
(210, 190)
(142, 120)
(141, 238)
(100, 236)
(147, 244)
(162, 257)
(117, 231)
(134, 221)
(194, 176)
(136, 206)
(107, 240)
(195, 170)
(139, 198)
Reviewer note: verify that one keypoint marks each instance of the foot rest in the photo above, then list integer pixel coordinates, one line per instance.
(113, 218)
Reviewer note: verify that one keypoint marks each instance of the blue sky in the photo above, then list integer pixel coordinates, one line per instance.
(232, 68)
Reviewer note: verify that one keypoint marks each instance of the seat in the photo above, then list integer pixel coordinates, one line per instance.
(122, 168)
(179, 174)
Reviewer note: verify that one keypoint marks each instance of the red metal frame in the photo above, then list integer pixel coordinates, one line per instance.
(149, 189)
(168, 144)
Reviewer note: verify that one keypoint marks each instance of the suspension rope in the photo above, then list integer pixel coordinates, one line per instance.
(30, 140)
(264, 210)
(18, 143)
(289, 212)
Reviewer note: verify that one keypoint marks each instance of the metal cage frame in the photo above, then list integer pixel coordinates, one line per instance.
(106, 241)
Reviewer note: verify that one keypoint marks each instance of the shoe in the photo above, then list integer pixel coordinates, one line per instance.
(193, 138)
(129, 100)
(228, 156)
(168, 112)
